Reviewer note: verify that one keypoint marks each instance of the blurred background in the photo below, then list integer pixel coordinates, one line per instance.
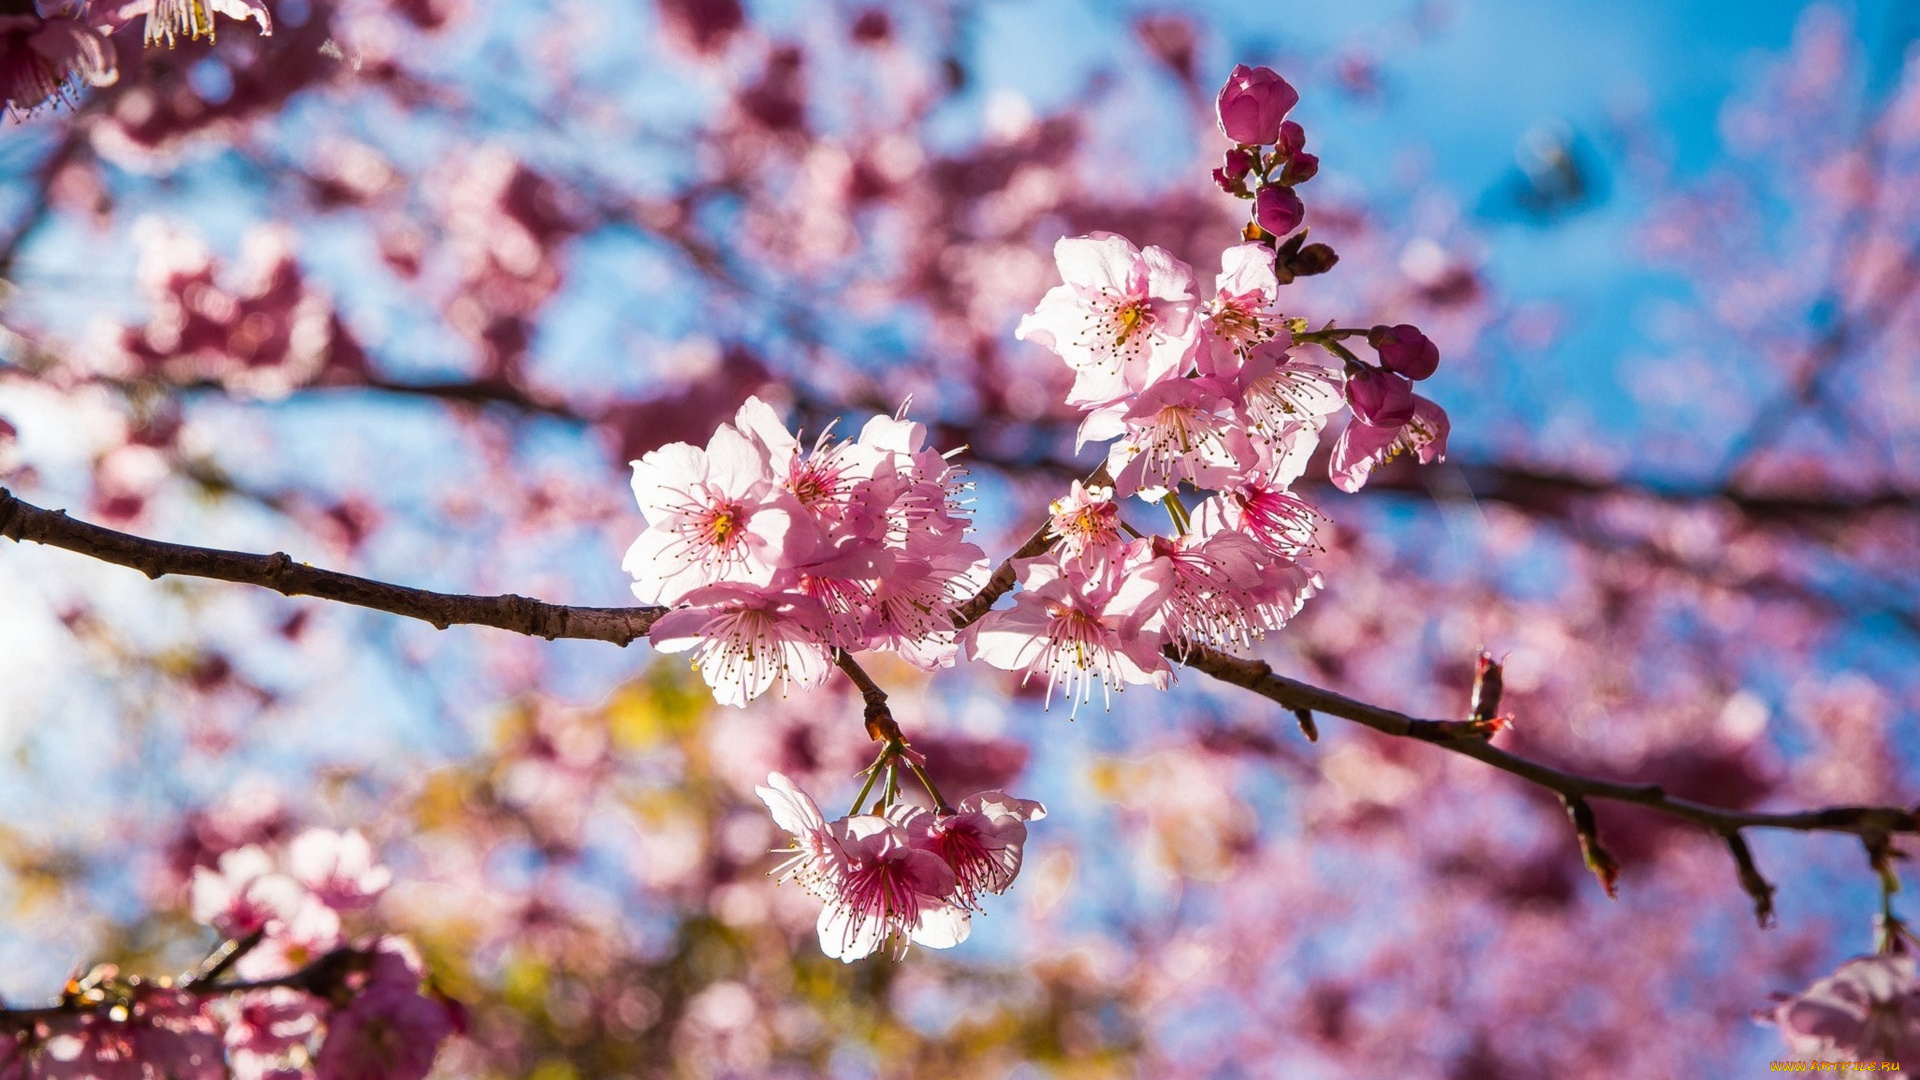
(403, 287)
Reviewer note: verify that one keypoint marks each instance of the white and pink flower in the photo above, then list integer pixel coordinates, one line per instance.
(1123, 320)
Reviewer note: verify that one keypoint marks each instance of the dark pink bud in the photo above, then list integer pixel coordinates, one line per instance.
(1239, 163)
(1380, 398)
(1278, 210)
(1300, 169)
(1293, 139)
(1405, 349)
(1253, 104)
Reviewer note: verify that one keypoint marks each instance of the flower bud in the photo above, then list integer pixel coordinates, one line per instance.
(1253, 103)
(1238, 163)
(1278, 209)
(1293, 139)
(1404, 349)
(1380, 398)
(1312, 259)
(1300, 169)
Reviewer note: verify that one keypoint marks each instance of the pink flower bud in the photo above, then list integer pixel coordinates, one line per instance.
(1238, 163)
(1380, 398)
(1293, 139)
(1278, 210)
(1404, 349)
(1253, 103)
(1300, 169)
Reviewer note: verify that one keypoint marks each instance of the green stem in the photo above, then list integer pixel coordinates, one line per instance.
(1177, 512)
(939, 801)
(873, 773)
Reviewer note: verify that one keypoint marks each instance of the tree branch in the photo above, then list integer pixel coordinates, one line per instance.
(1463, 737)
(1469, 738)
(22, 521)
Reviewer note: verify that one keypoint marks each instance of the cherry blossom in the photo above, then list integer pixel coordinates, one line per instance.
(191, 19)
(44, 58)
(339, 867)
(891, 894)
(1077, 628)
(746, 640)
(247, 893)
(981, 843)
(1123, 320)
(713, 515)
(1362, 446)
(1867, 1010)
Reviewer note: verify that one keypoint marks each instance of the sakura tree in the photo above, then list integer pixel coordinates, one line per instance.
(1049, 489)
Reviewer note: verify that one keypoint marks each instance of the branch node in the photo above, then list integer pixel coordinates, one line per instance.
(1756, 886)
(1307, 727)
(1596, 857)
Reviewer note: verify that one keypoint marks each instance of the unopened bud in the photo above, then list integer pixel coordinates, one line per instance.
(1404, 349)
(1300, 169)
(1293, 139)
(1312, 259)
(1380, 398)
(1278, 209)
(1253, 103)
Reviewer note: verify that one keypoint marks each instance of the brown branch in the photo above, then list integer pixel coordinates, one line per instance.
(22, 521)
(1468, 739)
(323, 977)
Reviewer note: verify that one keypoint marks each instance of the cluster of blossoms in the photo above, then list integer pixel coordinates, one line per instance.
(309, 1003)
(773, 558)
(903, 874)
(1218, 394)
(49, 48)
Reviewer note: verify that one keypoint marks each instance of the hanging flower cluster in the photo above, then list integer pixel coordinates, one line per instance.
(903, 874)
(774, 560)
(773, 557)
(50, 49)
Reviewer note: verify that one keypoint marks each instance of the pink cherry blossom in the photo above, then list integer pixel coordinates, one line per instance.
(390, 1031)
(43, 58)
(1087, 523)
(1182, 429)
(712, 515)
(1078, 629)
(271, 1022)
(1122, 321)
(308, 932)
(912, 607)
(1869, 1009)
(891, 893)
(1253, 103)
(746, 640)
(246, 894)
(1363, 446)
(1281, 392)
(815, 860)
(981, 844)
(191, 19)
(339, 867)
(1241, 314)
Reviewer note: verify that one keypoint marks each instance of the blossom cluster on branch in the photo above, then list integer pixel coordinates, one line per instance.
(287, 995)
